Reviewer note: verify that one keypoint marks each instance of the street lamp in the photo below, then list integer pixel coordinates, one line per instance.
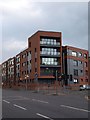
(69, 68)
(26, 78)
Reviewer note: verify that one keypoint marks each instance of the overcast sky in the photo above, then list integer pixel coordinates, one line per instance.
(22, 18)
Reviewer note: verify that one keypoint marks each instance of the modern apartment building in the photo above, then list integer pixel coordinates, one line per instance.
(75, 64)
(42, 57)
(45, 54)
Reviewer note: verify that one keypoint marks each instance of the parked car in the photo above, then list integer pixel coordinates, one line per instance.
(84, 87)
(87, 87)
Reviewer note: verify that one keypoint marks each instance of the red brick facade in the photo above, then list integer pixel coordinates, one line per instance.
(42, 56)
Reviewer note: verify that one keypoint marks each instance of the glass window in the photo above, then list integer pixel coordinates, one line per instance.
(55, 50)
(55, 59)
(86, 80)
(49, 49)
(85, 55)
(58, 43)
(81, 71)
(79, 54)
(54, 42)
(48, 41)
(75, 62)
(42, 42)
(45, 59)
(81, 80)
(85, 64)
(51, 53)
(75, 72)
(46, 49)
(86, 72)
(55, 63)
(52, 62)
(45, 41)
(42, 39)
(80, 62)
(55, 53)
(19, 59)
(74, 53)
(49, 61)
(51, 41)
(75, 80)
(52, 49)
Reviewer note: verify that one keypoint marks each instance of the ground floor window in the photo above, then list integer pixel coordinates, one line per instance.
(75, 80)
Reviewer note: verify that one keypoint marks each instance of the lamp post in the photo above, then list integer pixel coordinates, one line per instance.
(69, 68)
(26, 78)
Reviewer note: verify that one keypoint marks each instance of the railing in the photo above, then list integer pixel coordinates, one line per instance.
(49, 43)
(50, 65)
(49, 53)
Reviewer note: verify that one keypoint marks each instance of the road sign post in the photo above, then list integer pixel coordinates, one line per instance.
(36, 80)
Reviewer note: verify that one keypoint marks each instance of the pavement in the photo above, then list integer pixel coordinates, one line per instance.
(44, 104)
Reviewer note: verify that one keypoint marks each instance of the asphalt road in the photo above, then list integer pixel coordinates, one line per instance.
(27, 104)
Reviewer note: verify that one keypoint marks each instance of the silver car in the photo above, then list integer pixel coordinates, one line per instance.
(82, 87)
(87, 87)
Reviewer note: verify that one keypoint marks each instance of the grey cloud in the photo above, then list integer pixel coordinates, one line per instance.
(69, 18)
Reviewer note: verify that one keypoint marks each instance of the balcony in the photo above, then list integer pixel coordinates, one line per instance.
(56, 44)
(50, 65)
(52, 54)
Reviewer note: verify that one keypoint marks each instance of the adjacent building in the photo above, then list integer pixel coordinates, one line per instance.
(0, 75)
(18, 67)
(44, 55)
(75, 64)
(11, 70)
(4, 68)
(89, 70)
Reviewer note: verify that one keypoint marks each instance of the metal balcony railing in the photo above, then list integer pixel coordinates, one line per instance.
(50, 43)
(50, 65)
(49, 53)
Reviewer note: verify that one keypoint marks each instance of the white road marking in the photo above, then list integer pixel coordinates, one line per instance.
(19, 99)
(44, 116)
(39, 101)
(75, 108)
(6, 101)
(20, 107)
